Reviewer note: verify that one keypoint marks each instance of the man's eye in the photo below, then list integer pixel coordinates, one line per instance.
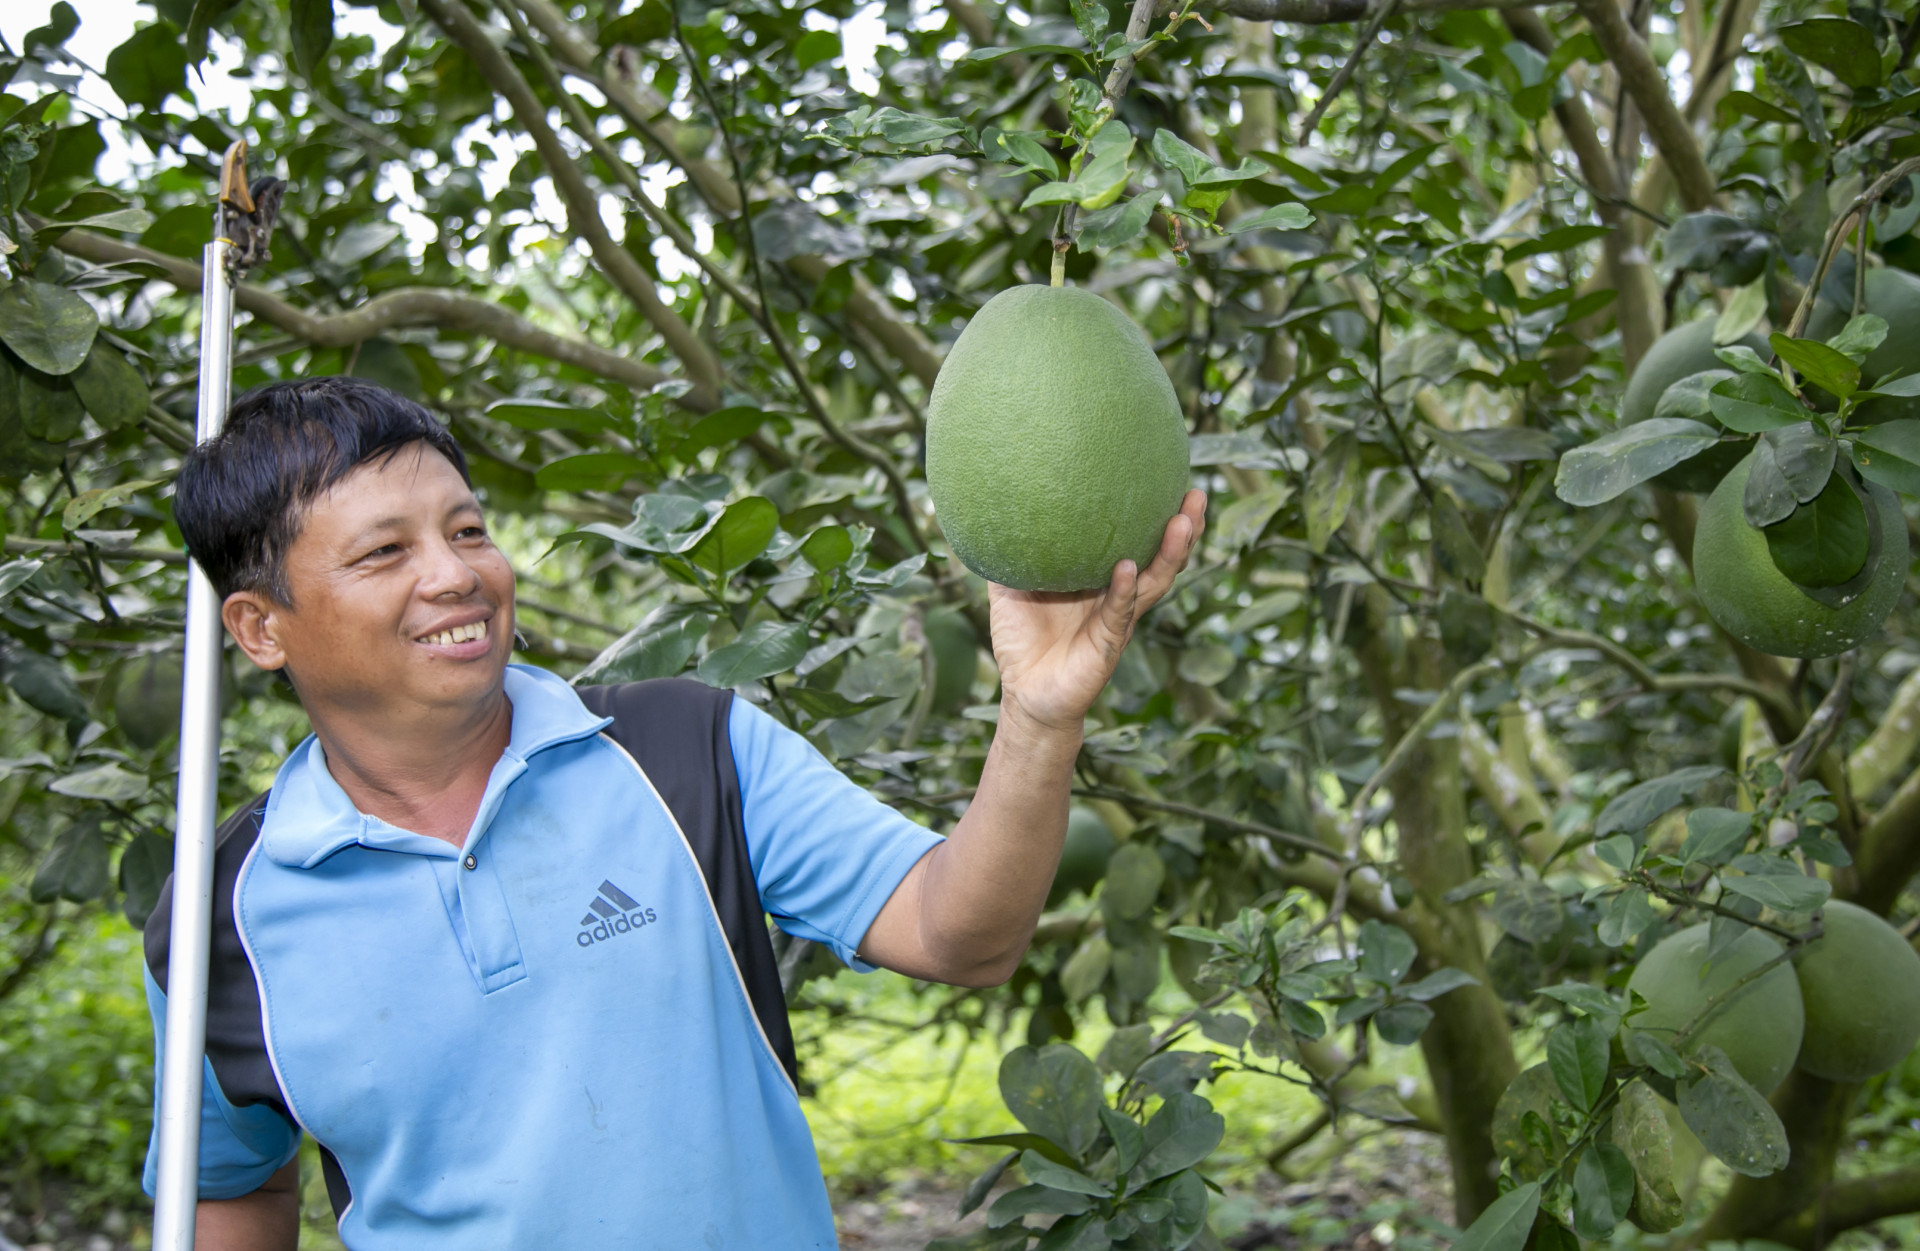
(386, 549)
(471, 532)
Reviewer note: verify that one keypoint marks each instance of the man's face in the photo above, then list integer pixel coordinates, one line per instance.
(399, 596)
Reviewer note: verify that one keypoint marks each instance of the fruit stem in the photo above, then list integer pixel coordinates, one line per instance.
(1059, 268)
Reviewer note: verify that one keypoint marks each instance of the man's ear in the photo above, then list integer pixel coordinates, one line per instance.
(254, 621)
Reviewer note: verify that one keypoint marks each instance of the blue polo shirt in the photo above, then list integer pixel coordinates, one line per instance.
(540, 1038)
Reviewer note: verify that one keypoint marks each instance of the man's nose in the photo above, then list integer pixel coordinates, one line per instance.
(447, 573)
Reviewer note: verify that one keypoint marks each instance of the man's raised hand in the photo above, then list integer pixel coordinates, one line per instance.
(1057, 649)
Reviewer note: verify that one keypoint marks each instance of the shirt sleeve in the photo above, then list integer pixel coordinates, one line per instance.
(826, 854)
(240, 1148)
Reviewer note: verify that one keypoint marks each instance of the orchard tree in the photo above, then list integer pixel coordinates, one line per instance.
(1453, 737)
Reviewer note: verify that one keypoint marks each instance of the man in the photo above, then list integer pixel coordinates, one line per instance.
(489, 945)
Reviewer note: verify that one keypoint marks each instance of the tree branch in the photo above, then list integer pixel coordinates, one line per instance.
(583, 213)
(408, 306)
(1648, 87)
(865, 305)
(1328, 12)
(1889, 849)
(1875, 762)
(1384, 9)
(1638, 308)
(817, 408)
(583, 127)
(1657, 683)
(52, 547)
(1301, 841)
(1863, 1200)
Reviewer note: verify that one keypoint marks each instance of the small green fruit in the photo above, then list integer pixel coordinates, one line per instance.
(1083, 859)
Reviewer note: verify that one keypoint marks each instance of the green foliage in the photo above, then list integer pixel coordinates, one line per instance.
(76, 1063)
(1398, 703)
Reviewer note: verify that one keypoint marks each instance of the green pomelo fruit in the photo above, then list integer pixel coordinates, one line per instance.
(1893, 295)
(1681, 353)
(1861, 984)
(1055, 445)
(146, 699)
(956, 654)
(1757, 604)
(1759, 1027)
(1083, 860)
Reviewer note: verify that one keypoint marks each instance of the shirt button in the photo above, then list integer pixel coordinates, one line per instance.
(471, 861)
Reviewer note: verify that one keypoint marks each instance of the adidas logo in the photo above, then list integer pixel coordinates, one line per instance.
(613, 912)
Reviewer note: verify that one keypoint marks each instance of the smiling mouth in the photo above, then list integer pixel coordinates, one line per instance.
(459, 634)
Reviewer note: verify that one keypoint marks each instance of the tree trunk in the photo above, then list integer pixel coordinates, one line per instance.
(1468, 1048)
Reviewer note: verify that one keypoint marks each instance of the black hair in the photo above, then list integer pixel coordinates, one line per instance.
(240, 499)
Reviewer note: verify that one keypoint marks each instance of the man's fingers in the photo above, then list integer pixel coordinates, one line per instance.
(1176, 545)
(1117, 607)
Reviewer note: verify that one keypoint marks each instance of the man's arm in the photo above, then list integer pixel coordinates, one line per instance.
(266, 1220)
(965, 913)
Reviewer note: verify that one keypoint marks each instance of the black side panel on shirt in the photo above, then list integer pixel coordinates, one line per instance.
(236, 1039)
(676, 730)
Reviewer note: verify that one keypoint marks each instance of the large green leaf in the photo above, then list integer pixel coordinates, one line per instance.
(1749, 403)
(762, 650)
(1505, 1224)
(1181, 1134)
(75, 867)
(1823, 542)
(1889, 455)
(1638, 807)
(311, 25)
(48, 327)
(742, 533)
(1827, 368)
(1331, 484)
(145, 863)
(148, 67)
(656, 648)
(1577, 1056)
(1616, 463)
(50, 409)
(45, 685)
(1733, 1119)
(1602, 1190)
(1641, 1130)
(1839, 44)
(111, 388)
(1054, 1091)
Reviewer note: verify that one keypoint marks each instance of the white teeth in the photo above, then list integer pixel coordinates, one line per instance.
(459, 634)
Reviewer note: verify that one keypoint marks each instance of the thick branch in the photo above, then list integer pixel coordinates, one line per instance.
(1513, 796)
(583, 213)
(1328, 12)
(1875, 762)
(19, 546)
(1648, 87)
(1889, 850)
(1864, 1200)
(409, 306)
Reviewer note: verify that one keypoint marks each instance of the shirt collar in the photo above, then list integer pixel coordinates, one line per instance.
(309, 816)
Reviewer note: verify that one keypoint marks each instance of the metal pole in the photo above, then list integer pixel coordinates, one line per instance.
(241, 224)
